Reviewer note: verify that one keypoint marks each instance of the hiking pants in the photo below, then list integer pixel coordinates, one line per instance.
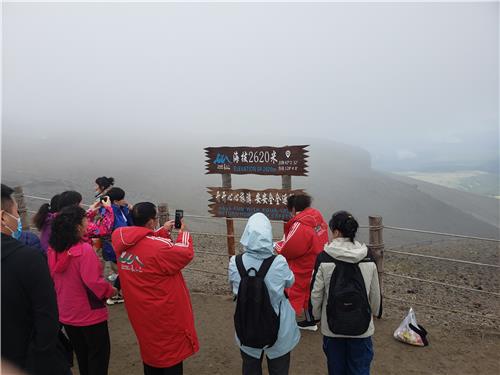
(276, 366)
(92, 347)
(348, 356)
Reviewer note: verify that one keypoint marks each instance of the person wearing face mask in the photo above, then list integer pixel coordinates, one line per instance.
(30, 320)
(157, 299)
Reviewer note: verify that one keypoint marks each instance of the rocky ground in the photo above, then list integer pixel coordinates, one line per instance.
(460, 344)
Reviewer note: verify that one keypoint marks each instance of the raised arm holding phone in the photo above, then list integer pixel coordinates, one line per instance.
(150, 265)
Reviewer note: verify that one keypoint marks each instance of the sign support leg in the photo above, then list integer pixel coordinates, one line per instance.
(226, 183)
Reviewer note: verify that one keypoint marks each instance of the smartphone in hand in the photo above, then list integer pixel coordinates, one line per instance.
(179, 214)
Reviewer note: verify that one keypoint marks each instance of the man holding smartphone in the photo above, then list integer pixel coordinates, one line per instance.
(157, 300)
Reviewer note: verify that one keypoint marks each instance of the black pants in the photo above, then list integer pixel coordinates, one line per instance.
(276, 366)
(92, 347)
(174, 370)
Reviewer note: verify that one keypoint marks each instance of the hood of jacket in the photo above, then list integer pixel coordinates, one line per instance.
(310, 217)
(126, 237)
(59, 262)
(346, 251)
(257, 239)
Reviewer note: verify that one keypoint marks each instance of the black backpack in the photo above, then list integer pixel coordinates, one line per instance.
(255, 320)
(347, 310)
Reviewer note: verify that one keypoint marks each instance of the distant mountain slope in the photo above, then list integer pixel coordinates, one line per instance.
(340, 178)
(481, 207)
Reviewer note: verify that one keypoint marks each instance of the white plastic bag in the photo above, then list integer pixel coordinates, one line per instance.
(410, 332)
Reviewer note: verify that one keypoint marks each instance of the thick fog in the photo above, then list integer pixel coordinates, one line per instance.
(136, 91)
(407, 82)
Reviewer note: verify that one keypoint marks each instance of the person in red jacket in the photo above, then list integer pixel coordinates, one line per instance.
(156, 296)
(306, 234)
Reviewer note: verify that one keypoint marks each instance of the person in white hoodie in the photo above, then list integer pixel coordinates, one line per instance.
(345, 294)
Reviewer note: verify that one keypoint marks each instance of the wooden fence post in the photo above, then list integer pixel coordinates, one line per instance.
(286, 184)
(163, 214)
(21, 207)
(376, 245)
(226, 183)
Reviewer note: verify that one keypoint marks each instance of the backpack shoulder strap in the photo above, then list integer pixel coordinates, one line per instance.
(324, 257)
(239, 264)
(367, 259)
(264, 267)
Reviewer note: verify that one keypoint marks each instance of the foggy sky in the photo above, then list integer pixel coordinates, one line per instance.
(403, 81)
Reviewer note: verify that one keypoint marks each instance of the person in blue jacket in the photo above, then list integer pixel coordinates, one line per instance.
(123, 218)
(257, 240)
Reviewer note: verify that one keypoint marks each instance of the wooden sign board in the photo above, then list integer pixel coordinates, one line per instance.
(243, 203)
(277, 161)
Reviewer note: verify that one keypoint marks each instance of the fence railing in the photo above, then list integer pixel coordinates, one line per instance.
(376, 246)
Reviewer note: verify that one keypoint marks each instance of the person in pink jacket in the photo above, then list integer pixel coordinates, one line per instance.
(81, 290)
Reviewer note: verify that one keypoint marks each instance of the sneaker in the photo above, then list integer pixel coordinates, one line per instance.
(112, 277)
(115, 299)
(310, 326)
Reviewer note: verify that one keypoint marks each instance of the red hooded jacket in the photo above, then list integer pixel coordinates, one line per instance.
(305, 237)
(156, 296)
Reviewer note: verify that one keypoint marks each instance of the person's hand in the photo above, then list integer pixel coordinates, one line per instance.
(130, 207)
(183, 225)
(106, 202)
(169, 225)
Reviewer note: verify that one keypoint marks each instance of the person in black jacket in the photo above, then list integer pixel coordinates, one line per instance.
(30, 321)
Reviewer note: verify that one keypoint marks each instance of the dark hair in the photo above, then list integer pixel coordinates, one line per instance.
(44, 210)
(65, 228)
(115, 194)
(301, 202)
(345, 223)
(143, 212)
(7, 200)
(69, 198)
(104, 182)
(290, 202)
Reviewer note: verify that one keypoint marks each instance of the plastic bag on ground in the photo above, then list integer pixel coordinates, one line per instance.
(410, 332)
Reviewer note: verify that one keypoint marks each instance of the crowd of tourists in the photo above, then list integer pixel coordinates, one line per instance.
(55, 294)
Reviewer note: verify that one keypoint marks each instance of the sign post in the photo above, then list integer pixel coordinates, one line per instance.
(286, 161)
(286, 184)
(226, 183)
